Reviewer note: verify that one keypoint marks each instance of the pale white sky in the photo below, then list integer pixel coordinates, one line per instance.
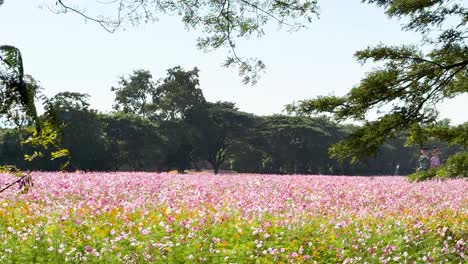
(65, 53)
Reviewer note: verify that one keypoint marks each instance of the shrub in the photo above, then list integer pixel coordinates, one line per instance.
(456, 166)
(423, 175)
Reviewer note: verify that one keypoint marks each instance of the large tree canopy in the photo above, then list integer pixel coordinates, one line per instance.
(178, 93)
(219, 128)
(409, 81)
(168, 98)
(135, 93)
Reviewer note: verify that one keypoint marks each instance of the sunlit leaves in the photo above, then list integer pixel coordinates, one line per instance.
(134, 94)
(177, 93)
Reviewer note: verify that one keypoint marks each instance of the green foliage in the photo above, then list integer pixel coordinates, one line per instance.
(17, 104)
(10, 169)
(46, 140)
(297, 144)
(135, 94)
(409, 81)
(167, 99)
(11, 151)
(425, 16)
(134, 143)
(456, 166)
(418, 135)
(440, 131)
(81, 132)
(453, 135)
(180, 147)
(219, 128)
(166, 103)
(70, 101)
(177, 94)
(423, 175)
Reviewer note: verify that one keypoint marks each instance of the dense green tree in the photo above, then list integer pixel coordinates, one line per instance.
(247, 158)
(454, 135)
(177, 93)
(410, 80)
(70, 101)
(219, 128)
(134, 142)
(11, 151)
(135, 93)
(167, 99)
(297, 144)
(166, 103)
(82, 131)
(180, 153)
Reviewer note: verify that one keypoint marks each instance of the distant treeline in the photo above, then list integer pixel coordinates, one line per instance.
(222, 137)
(168, 125)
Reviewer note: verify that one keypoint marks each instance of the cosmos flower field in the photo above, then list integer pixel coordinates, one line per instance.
(202, 218)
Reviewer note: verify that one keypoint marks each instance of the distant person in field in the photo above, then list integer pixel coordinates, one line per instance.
(424, 160)
(397, 170)
(435, 160)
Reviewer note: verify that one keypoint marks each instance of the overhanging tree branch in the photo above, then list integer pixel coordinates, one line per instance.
(223, 22)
